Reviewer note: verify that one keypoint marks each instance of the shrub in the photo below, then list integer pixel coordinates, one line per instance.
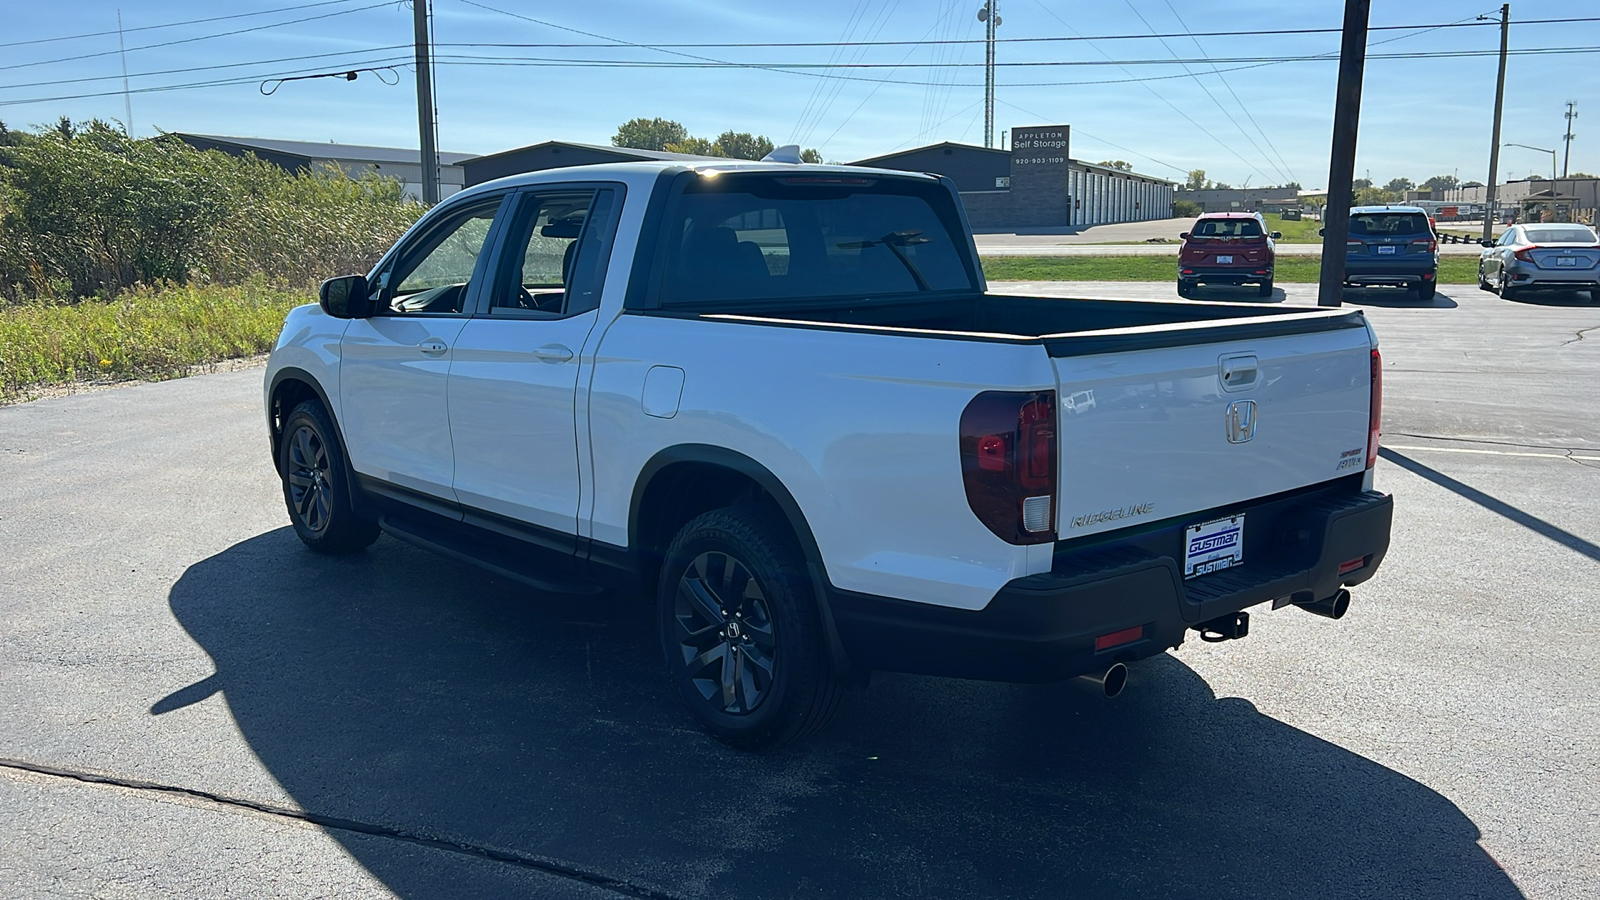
(1185, 209)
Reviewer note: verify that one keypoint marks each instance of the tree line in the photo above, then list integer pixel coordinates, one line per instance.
(672, 137)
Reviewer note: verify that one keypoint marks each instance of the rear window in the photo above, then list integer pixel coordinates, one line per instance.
(1389, 223)
(769, 238)
(1227, 228)
(1572, 234)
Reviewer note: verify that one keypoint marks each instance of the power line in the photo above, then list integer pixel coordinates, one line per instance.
(190, 40)
(93, 34)
(1207, 89)
(1244, 107)
(206, 68)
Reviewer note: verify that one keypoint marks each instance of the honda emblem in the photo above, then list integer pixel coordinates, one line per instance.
(1241, 421)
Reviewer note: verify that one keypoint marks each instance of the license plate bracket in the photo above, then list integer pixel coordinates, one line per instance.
(1224, 260)
(1567, 261)
(1213, 546)
(1387, 249)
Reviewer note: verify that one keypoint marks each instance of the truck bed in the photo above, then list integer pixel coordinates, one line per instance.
(1068, 326)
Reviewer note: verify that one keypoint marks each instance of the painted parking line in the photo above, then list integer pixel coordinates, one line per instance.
(1491, 452)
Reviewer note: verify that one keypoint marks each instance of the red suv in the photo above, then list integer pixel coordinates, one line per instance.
(1227, 248)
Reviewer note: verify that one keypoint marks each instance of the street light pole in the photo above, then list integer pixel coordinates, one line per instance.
(1552, 161)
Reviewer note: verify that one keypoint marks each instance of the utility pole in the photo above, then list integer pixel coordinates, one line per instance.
(1342, 164)
(127, 99)
(1499, 104)
(1567, 157)
(989, 15)
(430, 153)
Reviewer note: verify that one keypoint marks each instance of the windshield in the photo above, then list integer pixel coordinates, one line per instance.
(1389, 224)
(1571, 234)
(750, 237)
(1227, 228)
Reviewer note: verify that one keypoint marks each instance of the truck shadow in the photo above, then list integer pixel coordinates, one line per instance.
(410, 692)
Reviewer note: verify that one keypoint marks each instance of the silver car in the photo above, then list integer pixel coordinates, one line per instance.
(1541, 257)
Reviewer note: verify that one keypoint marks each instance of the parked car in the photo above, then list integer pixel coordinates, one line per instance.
(1392, 245)
(778, 399)
(1227, 248)
(1541, 257)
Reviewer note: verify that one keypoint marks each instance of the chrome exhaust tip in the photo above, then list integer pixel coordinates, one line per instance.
(1329, 608)
(1112, 680)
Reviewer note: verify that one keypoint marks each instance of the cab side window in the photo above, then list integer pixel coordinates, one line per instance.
(434, 275)
(555, 254)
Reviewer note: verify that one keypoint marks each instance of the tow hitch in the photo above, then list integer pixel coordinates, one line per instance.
(1230, 627)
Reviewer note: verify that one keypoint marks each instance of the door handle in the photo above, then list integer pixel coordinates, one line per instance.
(433, 346)
(553, 353)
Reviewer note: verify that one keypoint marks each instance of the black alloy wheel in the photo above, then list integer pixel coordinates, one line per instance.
(725, 633)
(741, 630)
(311, 461)
(307, 473)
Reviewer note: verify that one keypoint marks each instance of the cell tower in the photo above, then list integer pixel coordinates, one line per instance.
(989, 15)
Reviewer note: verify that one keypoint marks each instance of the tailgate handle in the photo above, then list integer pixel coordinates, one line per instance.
(1239, 372)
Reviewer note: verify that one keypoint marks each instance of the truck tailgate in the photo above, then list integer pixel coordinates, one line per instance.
(1177, 430)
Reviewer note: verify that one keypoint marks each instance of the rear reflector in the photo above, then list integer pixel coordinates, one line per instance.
(1118, 638)
(1375, 410)
(1352, 565)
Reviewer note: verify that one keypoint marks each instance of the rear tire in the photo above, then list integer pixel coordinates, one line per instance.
(1425, 290)
(315, 488)
(1506, 290)
(741, 630)
(1184, 289)
(1265, 289)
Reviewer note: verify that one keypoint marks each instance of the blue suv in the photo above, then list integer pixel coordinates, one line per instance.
(1393, 245)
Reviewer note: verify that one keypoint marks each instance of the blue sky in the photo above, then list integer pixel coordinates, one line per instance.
(1420, 117)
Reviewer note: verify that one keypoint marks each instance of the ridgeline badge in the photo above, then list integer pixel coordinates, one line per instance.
(1111, 515)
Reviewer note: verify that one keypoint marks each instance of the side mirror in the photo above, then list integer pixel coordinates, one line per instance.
(346, 297)
(1487, 243)
(1277, 235)
(1184, 235)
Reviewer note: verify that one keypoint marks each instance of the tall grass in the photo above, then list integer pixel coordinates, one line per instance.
(147, 332)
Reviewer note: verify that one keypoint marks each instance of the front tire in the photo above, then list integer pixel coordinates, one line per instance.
(741, 631)
(315, 489)
(1483, 283)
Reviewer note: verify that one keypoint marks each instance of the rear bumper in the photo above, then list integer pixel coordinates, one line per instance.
(1224, 274)
(1556, 279)
(1043, 627)
(1400, 271)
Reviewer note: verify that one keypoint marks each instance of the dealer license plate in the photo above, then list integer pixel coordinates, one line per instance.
(1221, 260)
(1386, 249)
(1213, 546)
(1566, 260)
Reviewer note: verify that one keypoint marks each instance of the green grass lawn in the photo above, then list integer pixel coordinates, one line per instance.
(1290, 269)
(1304, 231)
(147, 333)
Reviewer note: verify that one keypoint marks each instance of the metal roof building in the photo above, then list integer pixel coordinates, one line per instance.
(352, 159)
(558, 154)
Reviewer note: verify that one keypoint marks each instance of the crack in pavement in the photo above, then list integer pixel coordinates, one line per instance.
(1464, 440)
(1581, 332)
(526, 861)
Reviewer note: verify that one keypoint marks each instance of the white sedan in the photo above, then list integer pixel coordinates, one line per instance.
(1541, 257)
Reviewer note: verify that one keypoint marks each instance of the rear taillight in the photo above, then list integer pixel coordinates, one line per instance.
(1375, 417)
(1008, 463)
(1428, 246)
(1524, 253)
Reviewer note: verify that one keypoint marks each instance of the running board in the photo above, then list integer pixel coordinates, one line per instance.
(522, 566)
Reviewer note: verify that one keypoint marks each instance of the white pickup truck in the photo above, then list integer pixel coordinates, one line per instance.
(780, 399)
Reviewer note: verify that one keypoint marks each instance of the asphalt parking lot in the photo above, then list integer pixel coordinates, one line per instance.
(191, 705)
